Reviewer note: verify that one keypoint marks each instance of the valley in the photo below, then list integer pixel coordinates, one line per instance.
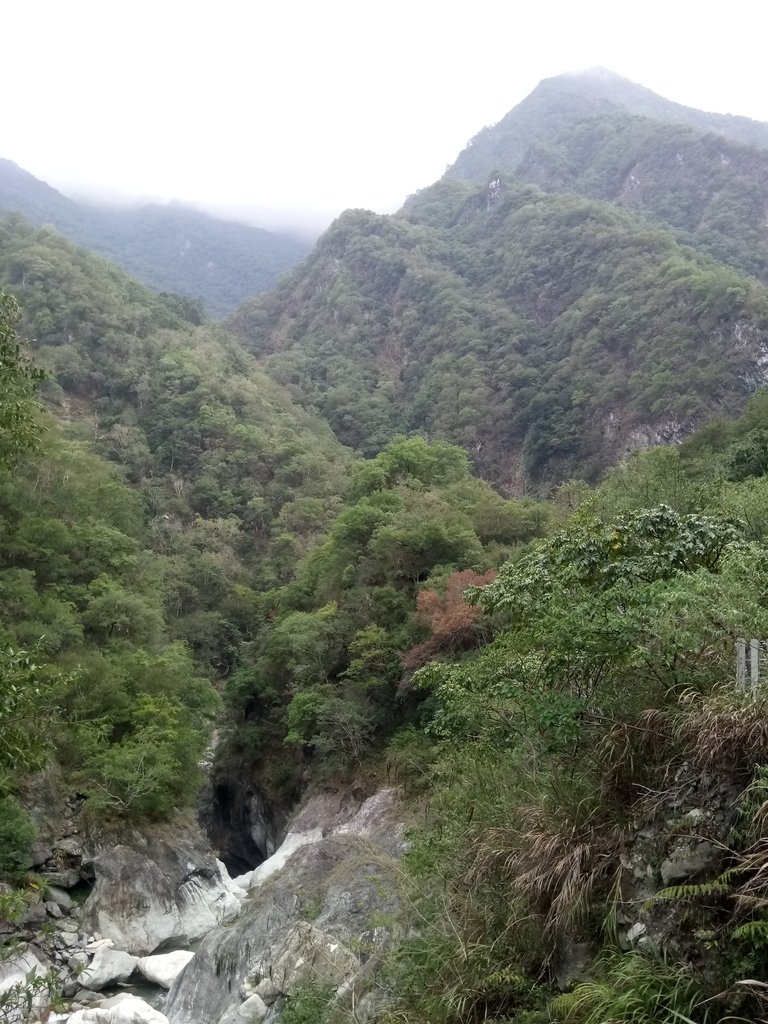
(368, 636)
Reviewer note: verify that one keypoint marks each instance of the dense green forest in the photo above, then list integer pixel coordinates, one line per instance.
(543, 333)
(169, 247)
(175, 487)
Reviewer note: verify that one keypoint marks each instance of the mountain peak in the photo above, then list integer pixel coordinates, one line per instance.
(559, 103)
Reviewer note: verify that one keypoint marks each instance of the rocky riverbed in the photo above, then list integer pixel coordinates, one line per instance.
(157, 906)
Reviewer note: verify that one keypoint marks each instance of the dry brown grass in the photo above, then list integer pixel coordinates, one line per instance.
(553, 865)
(725, 731)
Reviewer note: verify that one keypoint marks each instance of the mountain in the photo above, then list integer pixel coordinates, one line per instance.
(556, 103)
(603, 137)
(547, 334)
(580, 283)
(171, 248)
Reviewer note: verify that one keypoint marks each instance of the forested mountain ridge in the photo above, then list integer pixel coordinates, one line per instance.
(603, 138)
(171, 248)
(545, 333)
(591, 288)
(179, 486)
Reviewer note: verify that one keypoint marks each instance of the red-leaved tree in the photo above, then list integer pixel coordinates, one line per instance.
(454, 625)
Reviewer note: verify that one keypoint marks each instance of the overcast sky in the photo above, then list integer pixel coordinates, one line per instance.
(304, 109)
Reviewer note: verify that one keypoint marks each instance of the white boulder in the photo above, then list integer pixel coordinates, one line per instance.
(122, 1009)
(107, 967)
(254, 1008)
(163, 968)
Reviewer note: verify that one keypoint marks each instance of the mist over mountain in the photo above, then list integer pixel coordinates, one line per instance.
(169, 247)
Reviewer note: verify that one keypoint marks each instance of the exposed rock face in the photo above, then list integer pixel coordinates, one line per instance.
(239, 822)
(154, 893)
(324, 915)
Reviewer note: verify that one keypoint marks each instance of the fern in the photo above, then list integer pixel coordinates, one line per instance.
(753, 931)
(682, 892)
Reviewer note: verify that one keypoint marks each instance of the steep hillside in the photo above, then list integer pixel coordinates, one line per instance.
(545, 333)
(235, 479)
(170, 248)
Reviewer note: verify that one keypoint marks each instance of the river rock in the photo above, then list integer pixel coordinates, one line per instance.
(254, 1008)
(121, 1009)
(163, 968)
(107, 967)
(67, 878)
(39, 853)
(60, 897)
(126, 1008)
(78, 962)
(34, 915)
(152, 892)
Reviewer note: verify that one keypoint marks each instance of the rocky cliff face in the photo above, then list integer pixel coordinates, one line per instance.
(155, 892)
(323, 915)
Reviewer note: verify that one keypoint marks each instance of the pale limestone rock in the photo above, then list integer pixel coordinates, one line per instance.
(163, 968)
(254, 1008)
(157, 892)
(107, 967)
(292, 842)
(121, 1009)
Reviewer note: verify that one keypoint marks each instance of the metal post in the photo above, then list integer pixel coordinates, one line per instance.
(741, 663)
(754, 664)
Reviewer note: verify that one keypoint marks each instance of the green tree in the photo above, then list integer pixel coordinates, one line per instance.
(19, 422)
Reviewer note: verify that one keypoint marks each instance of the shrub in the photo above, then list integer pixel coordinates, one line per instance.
(16, 836)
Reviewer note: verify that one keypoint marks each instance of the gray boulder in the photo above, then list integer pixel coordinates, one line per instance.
(686, 861)
(60, 897)
(67, 878)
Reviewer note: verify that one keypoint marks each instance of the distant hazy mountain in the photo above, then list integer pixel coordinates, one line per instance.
(169, 247)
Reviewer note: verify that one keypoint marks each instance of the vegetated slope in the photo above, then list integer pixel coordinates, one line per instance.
(142, 580)
(169, 247)
(185, 529)
(584, 135)
(557, 102)
(545, 333)
(596, 848)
